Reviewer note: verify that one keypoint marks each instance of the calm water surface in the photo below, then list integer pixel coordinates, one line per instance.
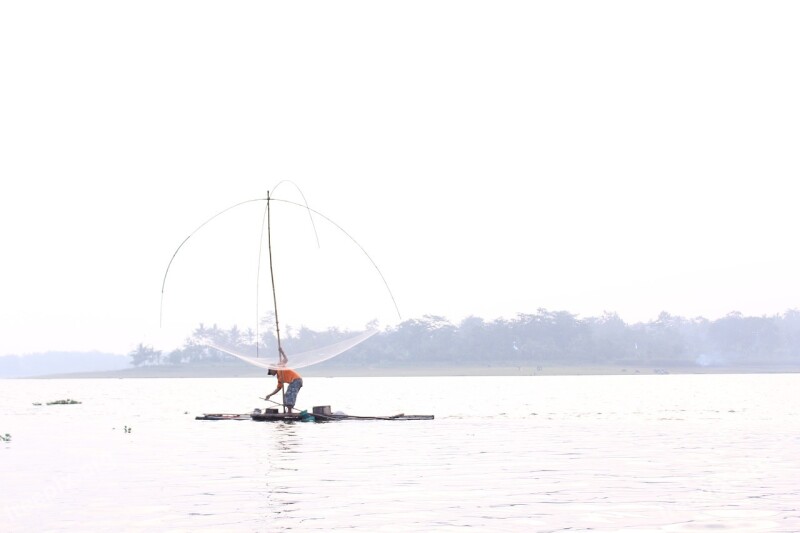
(588, 453)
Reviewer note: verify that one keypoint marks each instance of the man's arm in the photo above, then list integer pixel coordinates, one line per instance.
(278, 388)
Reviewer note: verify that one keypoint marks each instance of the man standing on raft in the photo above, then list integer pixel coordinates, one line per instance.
(286, 375)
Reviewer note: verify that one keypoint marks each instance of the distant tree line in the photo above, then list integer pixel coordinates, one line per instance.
(530, 340)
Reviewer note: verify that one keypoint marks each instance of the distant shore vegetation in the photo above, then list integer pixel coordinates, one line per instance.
(529, 339)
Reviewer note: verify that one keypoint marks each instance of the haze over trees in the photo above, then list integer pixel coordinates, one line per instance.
(38, 364)
(556, 338)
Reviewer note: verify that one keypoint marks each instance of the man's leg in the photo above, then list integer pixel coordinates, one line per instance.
(291, 394)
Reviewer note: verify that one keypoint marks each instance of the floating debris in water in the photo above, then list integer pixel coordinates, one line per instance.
(5, 438)
(64, 402)
(126, 429)
(37, 403)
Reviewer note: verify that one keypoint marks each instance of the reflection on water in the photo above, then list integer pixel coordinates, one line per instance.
(605, 453)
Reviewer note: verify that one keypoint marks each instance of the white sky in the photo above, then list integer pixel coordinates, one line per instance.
(491, 157)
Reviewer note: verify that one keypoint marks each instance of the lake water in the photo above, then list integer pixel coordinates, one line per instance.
(544, 454)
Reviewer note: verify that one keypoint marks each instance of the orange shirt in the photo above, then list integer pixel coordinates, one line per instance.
(287, 375)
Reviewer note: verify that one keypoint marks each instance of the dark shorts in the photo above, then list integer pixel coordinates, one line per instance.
(291, 392)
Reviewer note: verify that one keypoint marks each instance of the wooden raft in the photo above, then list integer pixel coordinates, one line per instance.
(320, 414)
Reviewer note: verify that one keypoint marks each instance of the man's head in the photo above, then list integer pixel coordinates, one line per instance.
(272, 371)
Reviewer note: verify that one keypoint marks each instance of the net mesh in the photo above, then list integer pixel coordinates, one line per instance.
(298, 360)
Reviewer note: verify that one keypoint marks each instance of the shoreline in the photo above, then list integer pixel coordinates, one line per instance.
(223, 371)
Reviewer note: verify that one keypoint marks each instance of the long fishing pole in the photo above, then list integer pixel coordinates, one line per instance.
(272, 279)
(274, 296)
(266, 222)
(267, 218)
(280, 404)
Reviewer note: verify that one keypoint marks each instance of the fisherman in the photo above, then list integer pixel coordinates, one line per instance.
(286, 375)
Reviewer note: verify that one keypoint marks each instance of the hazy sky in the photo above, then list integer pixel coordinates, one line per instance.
(491, 157)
